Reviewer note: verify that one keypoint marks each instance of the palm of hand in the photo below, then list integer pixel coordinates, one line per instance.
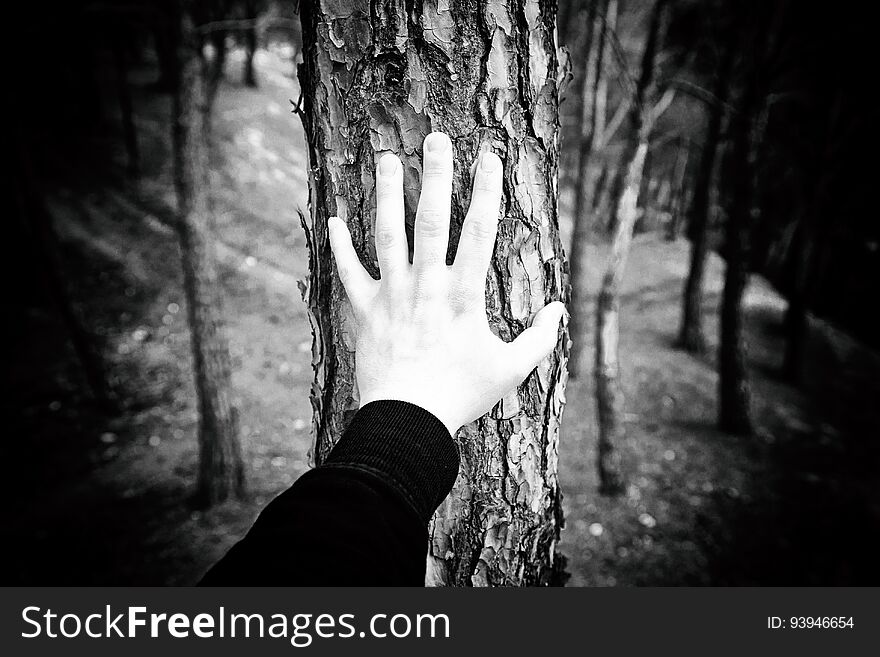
(422, 332)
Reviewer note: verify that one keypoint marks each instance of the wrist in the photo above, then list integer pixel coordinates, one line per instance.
(405, 445)
(452, 425)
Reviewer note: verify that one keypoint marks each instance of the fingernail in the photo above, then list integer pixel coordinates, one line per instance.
(436, 142)
(489, 162)
(388, 165)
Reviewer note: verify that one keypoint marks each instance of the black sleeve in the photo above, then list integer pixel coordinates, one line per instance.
(359, 519)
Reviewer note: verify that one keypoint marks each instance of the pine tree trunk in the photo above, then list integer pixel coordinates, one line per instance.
(691, 337)
(609, 393)
(221, 472)
(485, 75)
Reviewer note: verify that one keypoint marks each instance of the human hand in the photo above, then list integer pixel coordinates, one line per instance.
(422, 332)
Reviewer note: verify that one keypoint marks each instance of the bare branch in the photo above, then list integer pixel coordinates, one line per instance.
(662, 105)
(259, 22)
(614, 124)
(700, 93)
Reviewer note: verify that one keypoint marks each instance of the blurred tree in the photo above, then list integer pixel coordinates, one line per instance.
(217, 14)
(252, 11)
(691, 336)
(601, 18)
(221, 472)
(749, 123)
(123, 95)
(378, 77)
(812, 225)
(645, 107)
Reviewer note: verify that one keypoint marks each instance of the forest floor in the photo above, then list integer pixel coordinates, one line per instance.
(105, 498)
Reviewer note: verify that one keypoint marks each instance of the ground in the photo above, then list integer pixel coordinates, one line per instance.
(106, 497)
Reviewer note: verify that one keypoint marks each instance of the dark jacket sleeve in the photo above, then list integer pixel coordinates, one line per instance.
(359, 519)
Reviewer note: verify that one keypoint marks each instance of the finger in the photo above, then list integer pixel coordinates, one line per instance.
(432, 217)
(535, 343)
(391, 248)
(480, 225)
(357, 282)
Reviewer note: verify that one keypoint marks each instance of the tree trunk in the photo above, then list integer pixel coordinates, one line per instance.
(123, 94)
(734, 396)
(678, 189)
(593, 103)
(218, 63)
(221, 472)
(810, 233)
(163, 41)
(691, 337)
(486, 76)
(609, 393)
(250, 44)
(795, 322)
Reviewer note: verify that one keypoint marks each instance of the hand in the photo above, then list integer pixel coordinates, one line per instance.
(422, 332)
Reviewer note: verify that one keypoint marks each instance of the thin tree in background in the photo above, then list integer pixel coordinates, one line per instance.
(691, 337)
(643, 113)
(601, 19)
(221, 473)
(126, 110)
(805, 248)
(488, 78)
(218, 11)
(749, 125)
(251, 11)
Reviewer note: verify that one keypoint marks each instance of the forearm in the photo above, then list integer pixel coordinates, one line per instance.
(361, 518)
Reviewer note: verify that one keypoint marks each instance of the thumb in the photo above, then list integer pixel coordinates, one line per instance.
(535, 343)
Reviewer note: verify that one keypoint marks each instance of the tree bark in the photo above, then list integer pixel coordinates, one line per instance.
(691, 337)
(609, 393)
(487, 76)
(221, 472)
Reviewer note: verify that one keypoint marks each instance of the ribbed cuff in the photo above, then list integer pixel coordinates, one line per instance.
(405, 445)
